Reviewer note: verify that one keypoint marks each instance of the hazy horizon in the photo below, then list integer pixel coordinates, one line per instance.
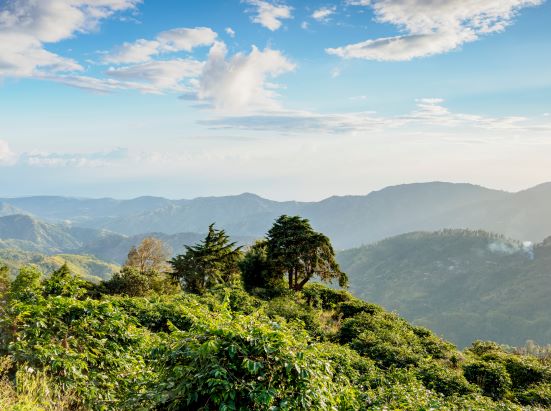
(234, 194)
(286, 99)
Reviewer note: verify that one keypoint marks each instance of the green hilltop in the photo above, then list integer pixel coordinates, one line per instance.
(463, 284)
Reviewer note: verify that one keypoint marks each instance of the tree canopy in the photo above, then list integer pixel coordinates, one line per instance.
(215, 260)
(301, 253)
(151, 254)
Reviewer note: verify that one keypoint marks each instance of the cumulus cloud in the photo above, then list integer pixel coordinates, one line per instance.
(323, 14)
(26, 26)
(269, 14)
(7, 157)
(170, 41)
(431, 27)
(241, 82)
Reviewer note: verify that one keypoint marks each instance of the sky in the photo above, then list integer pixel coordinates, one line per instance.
(289, 99)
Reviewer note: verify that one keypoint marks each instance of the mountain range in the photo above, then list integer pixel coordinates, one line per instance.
(350, 221)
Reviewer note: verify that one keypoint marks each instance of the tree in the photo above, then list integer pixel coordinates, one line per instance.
(150, 255)
(256, 269)
(129, 281)
(62, 282)
(212, 261)
(26, 286)
(301, 253)
(146, 270)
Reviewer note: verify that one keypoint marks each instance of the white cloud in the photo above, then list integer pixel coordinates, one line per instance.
(230, 32)
(304, 25)
(161, 75)
(429, 114)
(27, 25)
(268, 14)
(94, 159)
(7, 157)
(170, 41)
(241, 82)
(432, 27)
(324, 13)
(358, 2)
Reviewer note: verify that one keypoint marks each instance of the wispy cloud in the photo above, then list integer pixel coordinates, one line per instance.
(94, 159)
(270, 14)
(429, 114)
(161, 75)
(431, 27)
(170, 41)
(323, 14)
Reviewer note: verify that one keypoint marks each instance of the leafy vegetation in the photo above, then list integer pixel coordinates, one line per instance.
(68, 344)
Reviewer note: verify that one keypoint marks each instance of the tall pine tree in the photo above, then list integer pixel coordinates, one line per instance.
(213, 261)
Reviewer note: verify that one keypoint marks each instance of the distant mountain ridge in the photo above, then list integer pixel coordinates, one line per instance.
(27, 234)
(464, 284)
(349, 221)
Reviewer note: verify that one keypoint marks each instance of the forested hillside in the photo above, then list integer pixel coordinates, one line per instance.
(350, 221)
(462, 284)
(25, 234)
(222, 328)
(84, 266)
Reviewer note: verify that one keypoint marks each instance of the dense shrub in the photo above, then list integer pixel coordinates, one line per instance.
(236, 362)
(350, 308)
(320, 296)
(538, 395)
(491, 377)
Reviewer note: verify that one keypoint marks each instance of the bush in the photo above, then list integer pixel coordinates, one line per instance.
(538, 395)
(320, 296)
(353, 307)
(491, 377)
(444, 380)
(236, 362)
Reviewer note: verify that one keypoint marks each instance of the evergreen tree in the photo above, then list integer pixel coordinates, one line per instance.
(213, 261)
(301, 253)
(257, 270)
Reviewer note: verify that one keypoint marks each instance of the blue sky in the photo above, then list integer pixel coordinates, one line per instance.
(287, 99)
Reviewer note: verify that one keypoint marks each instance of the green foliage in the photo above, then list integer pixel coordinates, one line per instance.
(296, 250)
(463, 284)
(26, 286)
(257, 271)
(63, 283)
(491, 377)
(319, 349)
(538, 395)
(213, 261)
(87, 267)
(235, 362)
(391, 341)
(90, 346)
(325, 298)
(130, 281)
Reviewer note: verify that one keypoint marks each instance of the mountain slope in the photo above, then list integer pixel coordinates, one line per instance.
(465, 285)
(84, 266)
